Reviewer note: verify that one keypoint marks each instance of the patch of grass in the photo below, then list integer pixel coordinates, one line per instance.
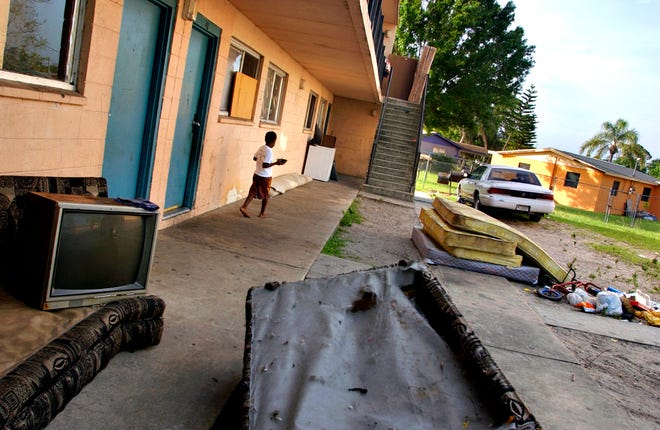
(335, 245)
(645, 234)
(352, 215)
(428, 182)
(337, 242)
(650, 266)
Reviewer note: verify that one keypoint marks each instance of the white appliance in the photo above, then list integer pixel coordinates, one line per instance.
(319, 162)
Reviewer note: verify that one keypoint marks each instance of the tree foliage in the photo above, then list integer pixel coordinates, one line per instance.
(653, 168)
(633, 155)
(612, 138)
(479, 66)
(519, 125)
(25, 43)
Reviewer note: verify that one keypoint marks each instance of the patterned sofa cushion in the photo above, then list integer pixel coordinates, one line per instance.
(13, 188)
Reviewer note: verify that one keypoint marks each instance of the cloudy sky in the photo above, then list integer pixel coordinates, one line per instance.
(596, 61)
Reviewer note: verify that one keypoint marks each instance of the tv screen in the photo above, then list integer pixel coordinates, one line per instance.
(84, 250)
(107, 247)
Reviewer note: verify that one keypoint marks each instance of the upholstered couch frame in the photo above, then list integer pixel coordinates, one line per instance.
(39, 386)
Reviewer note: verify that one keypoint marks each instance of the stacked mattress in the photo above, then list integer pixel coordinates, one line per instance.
(459, 236)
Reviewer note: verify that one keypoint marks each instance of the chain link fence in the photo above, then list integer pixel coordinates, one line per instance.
(440, 173)
(628, 201)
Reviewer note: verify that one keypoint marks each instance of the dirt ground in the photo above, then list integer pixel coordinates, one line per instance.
(629, 371)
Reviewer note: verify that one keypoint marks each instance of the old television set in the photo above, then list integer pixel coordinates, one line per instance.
(83, 250)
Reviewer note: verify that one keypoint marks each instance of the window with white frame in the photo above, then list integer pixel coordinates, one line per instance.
(273, 95)
(320, 119)
(41, 42)
(311, 108)
(242, 61)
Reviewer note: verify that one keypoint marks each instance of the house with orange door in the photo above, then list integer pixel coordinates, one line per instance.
(587, 183)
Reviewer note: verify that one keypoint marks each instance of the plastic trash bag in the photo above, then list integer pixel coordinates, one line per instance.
(609, 303)
(583, 300)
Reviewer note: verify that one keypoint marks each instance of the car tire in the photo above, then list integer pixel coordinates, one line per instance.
(535, 217)
(459, 199)
(477, 203)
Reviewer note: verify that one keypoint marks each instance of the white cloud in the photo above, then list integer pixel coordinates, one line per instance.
(595, 61)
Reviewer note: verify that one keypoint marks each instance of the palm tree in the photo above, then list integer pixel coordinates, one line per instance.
(634, 155)
(612, 138)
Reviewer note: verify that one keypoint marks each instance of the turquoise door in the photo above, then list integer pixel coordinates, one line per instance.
(191, 117)
(136, 97)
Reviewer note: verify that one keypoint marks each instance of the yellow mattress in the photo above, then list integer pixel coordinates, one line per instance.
(464, 217)
(447, 236)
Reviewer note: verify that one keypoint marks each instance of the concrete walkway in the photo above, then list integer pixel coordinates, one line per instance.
(203, 269)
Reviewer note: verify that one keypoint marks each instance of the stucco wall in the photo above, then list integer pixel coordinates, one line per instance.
(593, 190)
(354, 125)
(57, 133)
(226, 167)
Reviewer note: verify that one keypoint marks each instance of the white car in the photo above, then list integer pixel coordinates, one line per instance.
(506, 187)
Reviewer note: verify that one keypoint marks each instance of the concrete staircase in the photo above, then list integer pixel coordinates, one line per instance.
(394, 157)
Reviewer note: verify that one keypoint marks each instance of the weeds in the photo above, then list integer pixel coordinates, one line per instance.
(337, 242)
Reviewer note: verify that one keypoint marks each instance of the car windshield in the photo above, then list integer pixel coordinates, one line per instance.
(511, 175)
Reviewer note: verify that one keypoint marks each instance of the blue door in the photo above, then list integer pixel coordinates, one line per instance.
(191, 117)
(136, 97)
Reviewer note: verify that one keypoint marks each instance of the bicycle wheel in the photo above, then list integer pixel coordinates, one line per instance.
(549, 293)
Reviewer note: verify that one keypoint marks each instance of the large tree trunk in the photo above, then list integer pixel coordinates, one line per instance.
(482, 132)
(613, 150)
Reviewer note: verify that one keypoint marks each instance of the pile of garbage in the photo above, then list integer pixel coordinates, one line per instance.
(609, 302)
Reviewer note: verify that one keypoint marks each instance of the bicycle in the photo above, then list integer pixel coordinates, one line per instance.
(557, 292)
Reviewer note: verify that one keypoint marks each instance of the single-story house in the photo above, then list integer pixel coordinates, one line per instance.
(435, 143)
(587, 183)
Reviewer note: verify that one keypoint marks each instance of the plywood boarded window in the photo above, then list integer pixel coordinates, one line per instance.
(243, 60)
(245, 90)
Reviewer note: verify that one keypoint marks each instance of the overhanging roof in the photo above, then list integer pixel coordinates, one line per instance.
(437, 138)
(607, 167)
(331, 39)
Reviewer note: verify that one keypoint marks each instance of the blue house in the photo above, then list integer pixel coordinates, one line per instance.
(435, 143)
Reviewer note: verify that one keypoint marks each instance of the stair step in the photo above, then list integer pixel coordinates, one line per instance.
(401, 195)
(403, 179)
(397, 163)
(394, 186)
(398, 133)
(395, 151)
(392, 142)
(392, 168)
